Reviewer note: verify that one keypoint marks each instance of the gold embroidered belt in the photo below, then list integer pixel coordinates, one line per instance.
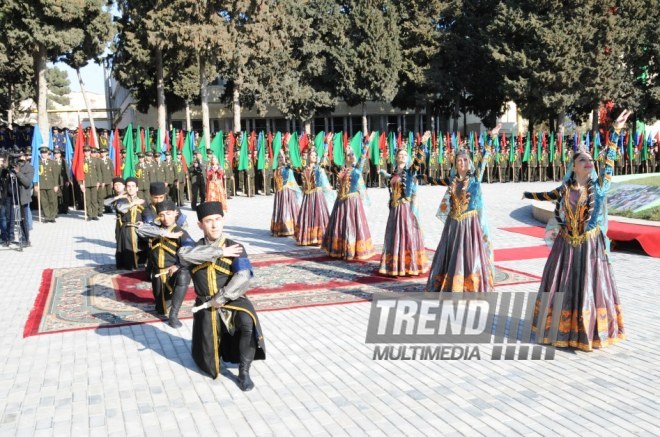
(312, 190)
(578, 240)
(346, 196)
(399, 201)
(466, 215)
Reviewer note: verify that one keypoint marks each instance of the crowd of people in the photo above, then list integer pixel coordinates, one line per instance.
(320, 203)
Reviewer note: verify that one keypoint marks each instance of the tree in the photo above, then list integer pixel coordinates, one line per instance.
(50, 30)
(58, 91)
(293, 74)
(366, 56)
(16, 77)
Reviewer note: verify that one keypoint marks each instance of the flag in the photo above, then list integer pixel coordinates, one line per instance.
(129, 145)
(391, 146)
(356, 144)
(576, 142)
(527, 153)
(231, 141)
(596, 150)
(441, 147)
(373, 148)
(115, 152)
(277, 146)
(159, 142)
(37, 142)
(138, 140)
(645, 149)
(630, 147)
(303, 142)
(78, 165)
(68, 152)
(243, 157)
(261, 151)
(147, 141)
(551, 153)
(318, 143)
(294, 150)
(411, 142)
(338, 149)
(187, 152)
(216, 146)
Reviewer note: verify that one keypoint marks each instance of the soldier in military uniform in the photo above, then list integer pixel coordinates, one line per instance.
(49, 185)
(246, 178)
(142, 175)
(180, 180)
(122, 153)
(64, 192)
(230, 182)
(169, 174)
(198, 180)
(618, 162)
(152, 167)
(543, 165)
(107, 172)
(267, 174)
(90, 184)
(532, 166)
(446, 163)
(59, 140)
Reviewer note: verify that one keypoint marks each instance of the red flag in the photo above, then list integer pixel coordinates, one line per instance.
(345, 139)
(252, 141)
(418, 139)
(142, 141)
(115, 147)
(168, 145)
(448, 141)
(520, 142)
(231, 141)
(92, 139)
(303, 142)
(285, 139)
(458, 139)
(434, 141)
(382, 142)
(398, 140)
(503, 141)
(78, 165)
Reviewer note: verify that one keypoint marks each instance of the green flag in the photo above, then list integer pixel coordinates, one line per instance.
(243, 153)
(356, 144)
(528, 150)
(551, 156)
(338, 149)
(138, 140)
(512, 146)
(187, 151)
(174, 145)
(596, 150)
(373, 148)
(539, 146)
(129, 163)
(202, 147)
(277, 146)
(147, 142)
(159, 141)
(318, 144)
(294, 150)
(441, 148)
(216, 146)
(261, 147)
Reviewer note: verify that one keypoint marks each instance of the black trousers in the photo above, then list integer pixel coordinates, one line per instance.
(198, 189)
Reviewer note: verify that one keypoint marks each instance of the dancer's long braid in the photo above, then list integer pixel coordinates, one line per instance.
(590, 201)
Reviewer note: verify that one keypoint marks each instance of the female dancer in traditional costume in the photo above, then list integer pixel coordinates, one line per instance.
(463, 260)
(347, 235)
(317, 192)
(403, 250)
(215, 184)
(577, 276)
(287, 198)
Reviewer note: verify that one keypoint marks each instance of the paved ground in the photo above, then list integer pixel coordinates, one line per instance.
(319, 377)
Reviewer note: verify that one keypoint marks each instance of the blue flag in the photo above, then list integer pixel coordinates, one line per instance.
(68, 152)
(36, 143)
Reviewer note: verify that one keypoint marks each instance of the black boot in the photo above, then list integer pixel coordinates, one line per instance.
(247, 347)
(180, 288)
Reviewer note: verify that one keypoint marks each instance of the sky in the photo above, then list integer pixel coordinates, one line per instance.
(92, 76)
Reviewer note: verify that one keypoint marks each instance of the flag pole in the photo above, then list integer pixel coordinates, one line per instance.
(39, 202)
(83, 189)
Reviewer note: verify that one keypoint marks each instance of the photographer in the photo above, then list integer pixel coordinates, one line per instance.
(24, 173)
(5, 202)
(198, 176)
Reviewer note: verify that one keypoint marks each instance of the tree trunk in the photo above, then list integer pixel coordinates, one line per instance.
(10, 111)
(518, 121)
(365, 124)
(40, 69)
(594, 121)
(237, 106)
(456, 113)
(160, 93)
(188, 123)
(429, 119)
(308, 127)
(89, 110)
(416, 128)
(204, 95)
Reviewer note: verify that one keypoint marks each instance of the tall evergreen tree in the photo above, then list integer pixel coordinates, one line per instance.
(52, 30)
(366, 55)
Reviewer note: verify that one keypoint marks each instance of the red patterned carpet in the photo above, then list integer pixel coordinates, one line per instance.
(92, 297)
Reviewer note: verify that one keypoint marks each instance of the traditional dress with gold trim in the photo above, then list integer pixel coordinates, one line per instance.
(347, 235)
(313, 216)
(403, 250)
(215, 187)
(286, 203)
(578, 269)
(463, 261)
